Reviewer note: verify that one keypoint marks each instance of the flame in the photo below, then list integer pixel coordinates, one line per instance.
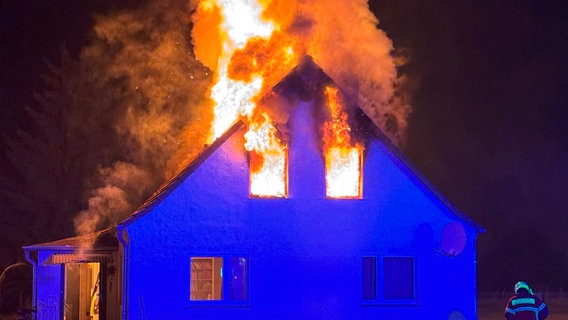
(268, 159)
(240, 21)
(252, 55)
(257, 42)
(233, 99)
(342, 156)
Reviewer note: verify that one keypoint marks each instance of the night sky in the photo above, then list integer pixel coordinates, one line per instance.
(488, 127)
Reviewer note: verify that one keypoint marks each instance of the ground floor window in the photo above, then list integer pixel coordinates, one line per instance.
(389, 279)
(369, 278)
(206, 278)
(218, 278)
(398, 278)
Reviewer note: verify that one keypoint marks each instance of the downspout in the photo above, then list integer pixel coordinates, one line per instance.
(476, 234)
(33, 262)
(124, 240)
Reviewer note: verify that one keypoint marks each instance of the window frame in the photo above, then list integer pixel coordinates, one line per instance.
(225, 300)
(379, 285)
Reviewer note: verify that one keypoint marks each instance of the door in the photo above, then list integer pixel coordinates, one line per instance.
(82, 291)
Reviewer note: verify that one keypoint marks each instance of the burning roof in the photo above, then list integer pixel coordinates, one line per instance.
(304, 82)
(349, 125)
(243, 49)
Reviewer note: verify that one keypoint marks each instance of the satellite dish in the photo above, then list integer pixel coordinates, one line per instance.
(453, 238)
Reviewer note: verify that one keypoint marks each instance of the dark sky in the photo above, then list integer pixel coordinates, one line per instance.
(489, 118)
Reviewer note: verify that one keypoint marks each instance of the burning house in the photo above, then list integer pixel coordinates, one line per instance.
(299, 207)
(326, 220)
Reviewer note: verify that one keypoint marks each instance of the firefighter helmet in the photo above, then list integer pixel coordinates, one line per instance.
(522, 285)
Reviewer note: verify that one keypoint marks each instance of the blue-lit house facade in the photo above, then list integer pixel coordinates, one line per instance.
(203, 248)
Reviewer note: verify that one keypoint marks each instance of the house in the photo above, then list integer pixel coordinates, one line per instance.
(203, 248)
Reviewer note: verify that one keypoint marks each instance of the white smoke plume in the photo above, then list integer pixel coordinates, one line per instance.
(341, 36)
(141, 107)
(150, 69)
(345, 41)
(121, 184)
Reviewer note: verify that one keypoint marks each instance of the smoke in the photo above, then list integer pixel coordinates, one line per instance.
(120, 186)
(343, 38)
(142, 107)
(147, 72)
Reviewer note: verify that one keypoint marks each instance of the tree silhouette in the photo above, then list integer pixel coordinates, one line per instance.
(133, 96)
(44, 191)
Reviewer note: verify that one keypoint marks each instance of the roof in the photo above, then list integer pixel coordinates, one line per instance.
(306, 78)
(171, 184)
(425, 182)
(105, 240)
(79, 257)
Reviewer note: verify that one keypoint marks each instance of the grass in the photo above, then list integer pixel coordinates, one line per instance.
(491, 306)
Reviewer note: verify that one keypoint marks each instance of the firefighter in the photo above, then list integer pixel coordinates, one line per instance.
(524, 305)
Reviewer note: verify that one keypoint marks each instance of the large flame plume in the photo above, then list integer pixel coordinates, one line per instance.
(151, 67)
(251, 44)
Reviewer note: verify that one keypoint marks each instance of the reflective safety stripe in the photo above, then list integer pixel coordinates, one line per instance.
(523, 301)
(521, 309)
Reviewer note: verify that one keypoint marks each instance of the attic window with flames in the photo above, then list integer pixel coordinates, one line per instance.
(268, 159)
(343, 156)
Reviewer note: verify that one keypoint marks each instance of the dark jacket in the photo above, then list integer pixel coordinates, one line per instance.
(525, 306)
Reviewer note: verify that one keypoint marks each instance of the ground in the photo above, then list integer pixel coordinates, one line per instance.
(491, 306)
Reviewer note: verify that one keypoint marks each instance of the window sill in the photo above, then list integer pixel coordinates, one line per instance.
(217, 304)
(390, 304)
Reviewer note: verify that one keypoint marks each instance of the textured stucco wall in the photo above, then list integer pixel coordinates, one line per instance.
(305, 251)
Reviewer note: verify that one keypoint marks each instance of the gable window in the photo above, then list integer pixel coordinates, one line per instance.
(388, 279)
(268, 156)
(342, 152)
(218, 279)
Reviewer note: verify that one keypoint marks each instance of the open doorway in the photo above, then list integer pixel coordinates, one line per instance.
(82, 291)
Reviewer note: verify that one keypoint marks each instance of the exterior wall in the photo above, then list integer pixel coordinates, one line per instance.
(305, 252)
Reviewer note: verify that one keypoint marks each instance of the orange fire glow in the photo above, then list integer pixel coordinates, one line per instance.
(252, 54)
(342, 156)
(239, 22)
(268, 159)
(251, 57)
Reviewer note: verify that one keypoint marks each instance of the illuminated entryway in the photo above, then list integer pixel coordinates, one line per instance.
(82, 291)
